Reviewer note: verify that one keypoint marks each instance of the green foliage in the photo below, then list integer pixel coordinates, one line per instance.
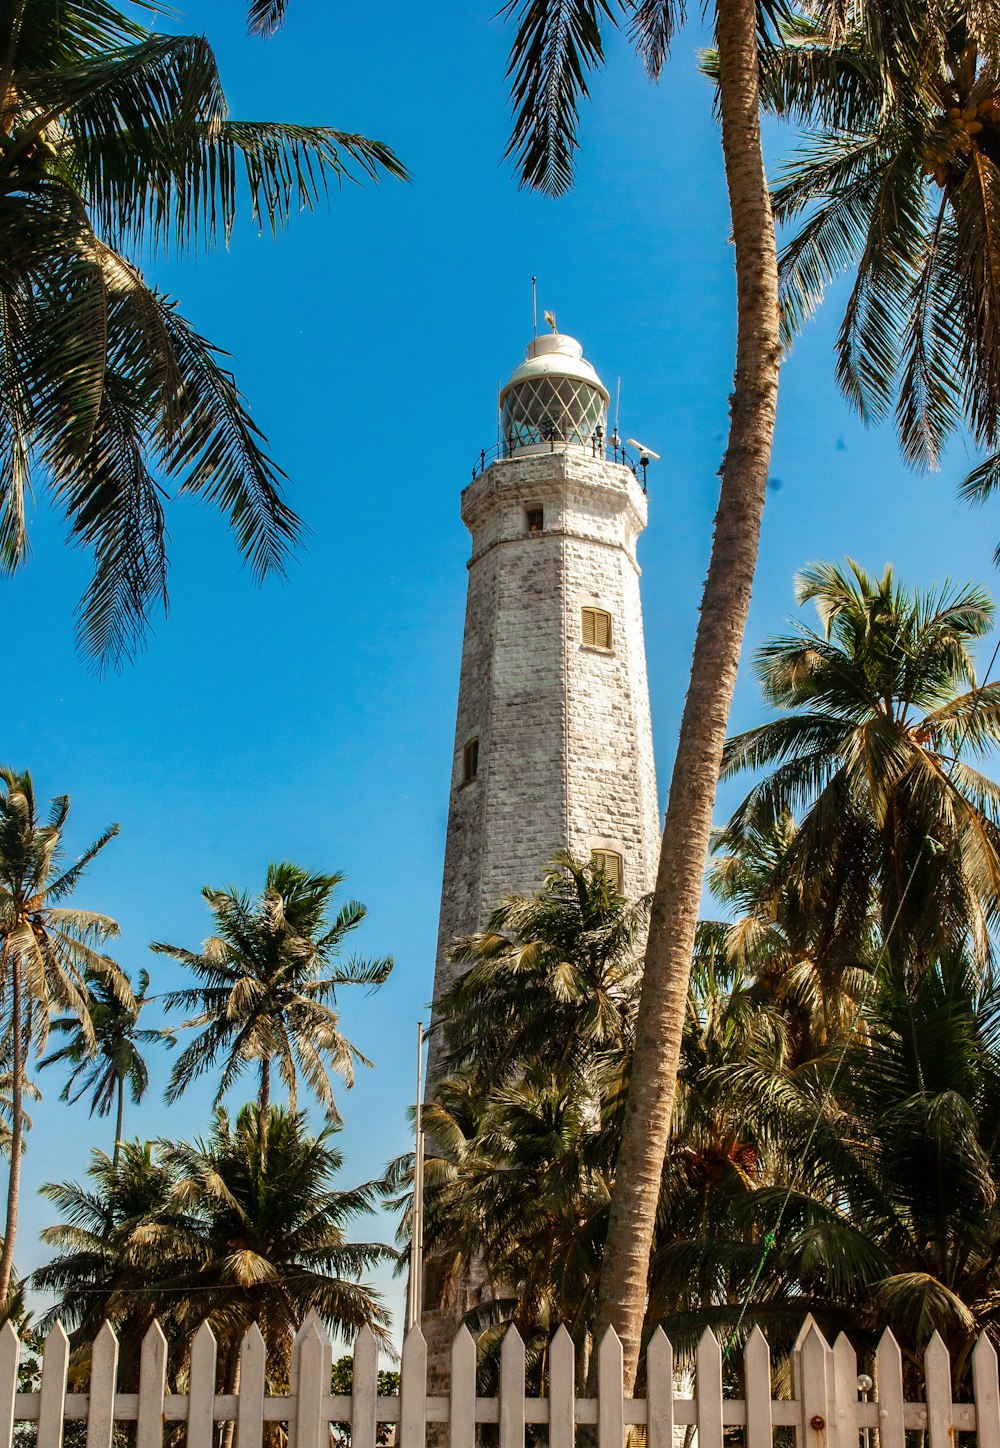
(109, 1061)
(114, 139)
(243, 1226)
(894, 828)
(898, 182)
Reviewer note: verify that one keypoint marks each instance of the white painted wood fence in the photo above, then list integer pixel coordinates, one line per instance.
(826, 1409)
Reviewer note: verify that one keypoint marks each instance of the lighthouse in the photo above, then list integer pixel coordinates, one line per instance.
(553, 745)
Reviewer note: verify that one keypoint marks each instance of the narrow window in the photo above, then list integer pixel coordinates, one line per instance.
(470, 761)
(611, 864)
(535, 519)
(596, 628)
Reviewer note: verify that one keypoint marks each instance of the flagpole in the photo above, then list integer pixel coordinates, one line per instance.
(415, 1293)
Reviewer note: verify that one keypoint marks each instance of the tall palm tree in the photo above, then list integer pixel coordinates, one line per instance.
(114, 138)
(45, 949)
(109, 1059)
(874, 759)
(268, 978)
(556, 43)
(898, 181)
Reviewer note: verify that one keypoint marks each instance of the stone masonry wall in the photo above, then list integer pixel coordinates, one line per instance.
(565, 744)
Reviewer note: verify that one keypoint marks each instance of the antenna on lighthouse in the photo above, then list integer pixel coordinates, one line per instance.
(616, 441)
(534, 306)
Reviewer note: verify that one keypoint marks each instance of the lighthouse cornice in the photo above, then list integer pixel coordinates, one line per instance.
(567, 476)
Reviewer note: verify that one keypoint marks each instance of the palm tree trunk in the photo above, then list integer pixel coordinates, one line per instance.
(16, 1134)
(119, 1123)
(264, 1095)
(725, 602)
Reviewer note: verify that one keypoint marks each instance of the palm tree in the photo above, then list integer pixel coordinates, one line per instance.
(244, 1226)
(899, 178)
(551, 982)
(112, 139)
(807, 942)
(267, 979)
(118, 1237)
(873, 760)
(556, 43)
(45, 949)
(890, 1218)
(266, 1231)
(109, 1059)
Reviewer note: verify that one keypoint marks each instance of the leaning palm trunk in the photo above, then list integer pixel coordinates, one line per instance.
(725, 603)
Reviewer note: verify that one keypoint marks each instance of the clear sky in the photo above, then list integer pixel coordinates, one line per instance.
(313, 720)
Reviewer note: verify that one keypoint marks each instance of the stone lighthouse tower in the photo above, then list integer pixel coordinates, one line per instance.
(553, 747)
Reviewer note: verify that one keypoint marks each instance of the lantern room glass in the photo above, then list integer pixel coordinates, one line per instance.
(551, 410)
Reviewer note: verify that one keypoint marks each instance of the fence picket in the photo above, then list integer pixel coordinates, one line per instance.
(937, 1387)
(413, 1390)
(845, 1393)
(889, 1392)
(757, 1377)
(463, 1389)
(562, 1390)
(708, 1387)
(152, 1387)
(52, 1397)
(986, 1391)
(364, 1389)
(103, 1380)
(311, 1426)
(201, 1389)
(511, 1390)
(660, 1391)
(610, 1392)
(10, 1359)
(817, 1370)
(250, 1402)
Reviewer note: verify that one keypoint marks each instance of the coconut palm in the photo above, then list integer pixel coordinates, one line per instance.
(550, 982)
(898, 180)
(268, 978)
(265, 1228)
(110, 1059)
(244, 1226)
(556, 44)
(114, 138)
(891, 1218)
(118, 1237)
(874, 759)
(47, 950)
(807, 941)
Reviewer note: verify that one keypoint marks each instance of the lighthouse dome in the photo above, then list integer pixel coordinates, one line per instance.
(553, 397)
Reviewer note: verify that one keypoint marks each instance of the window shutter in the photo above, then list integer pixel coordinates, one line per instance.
(611, 864)
(596, 628)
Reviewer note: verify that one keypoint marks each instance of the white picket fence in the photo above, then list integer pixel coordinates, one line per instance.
(826, 1410)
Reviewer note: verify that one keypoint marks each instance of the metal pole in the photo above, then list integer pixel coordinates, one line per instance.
(415, 1294)
(534, 307)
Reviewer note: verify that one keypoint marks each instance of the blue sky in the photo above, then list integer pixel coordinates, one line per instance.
(313, 720)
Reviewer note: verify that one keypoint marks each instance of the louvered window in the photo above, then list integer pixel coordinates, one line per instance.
(596, 628)
(611, 864)
(470, 761)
